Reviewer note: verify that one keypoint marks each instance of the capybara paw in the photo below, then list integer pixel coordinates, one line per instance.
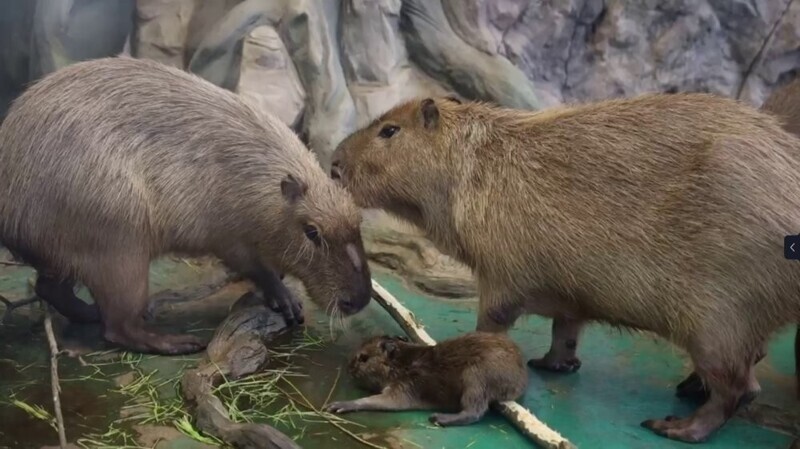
(85, 314)
(453, 419)
(568, 365)
(290, 308)
(341, 407)
(675, 428)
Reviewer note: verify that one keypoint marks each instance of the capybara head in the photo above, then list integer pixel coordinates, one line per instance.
(322, 245)
(379, 163)
(374, 365)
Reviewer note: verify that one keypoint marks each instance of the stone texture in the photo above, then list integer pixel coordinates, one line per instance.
(268, 78)
(162, 28)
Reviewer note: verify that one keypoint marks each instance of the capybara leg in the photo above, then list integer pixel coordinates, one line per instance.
(797, 359)
(473, 407)
(279, 297)
(496, 313)
(728, 383)
(119, 286)
(694, 389)
(61, 295)
(561, 356)
(388, 400)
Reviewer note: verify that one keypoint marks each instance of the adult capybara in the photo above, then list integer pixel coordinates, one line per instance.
(783, 103)
(663, 213)
(107, 164)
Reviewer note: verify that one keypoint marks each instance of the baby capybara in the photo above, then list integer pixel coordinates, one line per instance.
(462, 376)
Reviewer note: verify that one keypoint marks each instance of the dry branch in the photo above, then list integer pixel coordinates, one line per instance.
(54, 382)
(518, 415)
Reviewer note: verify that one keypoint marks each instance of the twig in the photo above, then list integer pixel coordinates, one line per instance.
(518, 415)
(51, 340)
(11, 263)
(306, 403)
(336, 382)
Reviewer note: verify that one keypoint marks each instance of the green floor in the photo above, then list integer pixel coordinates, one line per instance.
(624, 380)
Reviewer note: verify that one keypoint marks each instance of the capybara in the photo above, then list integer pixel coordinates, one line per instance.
(663, 212)
(108, 164)
(783, 103)
(462, 376)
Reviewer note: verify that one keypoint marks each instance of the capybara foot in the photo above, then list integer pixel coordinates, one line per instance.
(674, 428)
(692, 388)
(140, 340)
(554, 364)
(342, 407)
(289, 307)
(454, 419)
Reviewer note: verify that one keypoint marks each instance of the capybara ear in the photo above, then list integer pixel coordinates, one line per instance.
(293, 189)
(389, 347)
(430, 113)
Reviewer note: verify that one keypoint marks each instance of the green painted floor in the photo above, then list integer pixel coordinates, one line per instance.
(624, 380)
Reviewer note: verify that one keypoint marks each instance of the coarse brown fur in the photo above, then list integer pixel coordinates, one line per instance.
(108, 164)
(462, 376)
(784, 103)
(663, 213)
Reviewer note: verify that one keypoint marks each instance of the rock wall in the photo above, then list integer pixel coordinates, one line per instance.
(327, 66)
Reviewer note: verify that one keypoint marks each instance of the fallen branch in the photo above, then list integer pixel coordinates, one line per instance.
(518, 415)
(11, 263)
(54, 382)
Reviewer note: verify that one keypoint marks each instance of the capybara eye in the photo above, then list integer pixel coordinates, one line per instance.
(362, 358)
(388, 131)
(312, 233)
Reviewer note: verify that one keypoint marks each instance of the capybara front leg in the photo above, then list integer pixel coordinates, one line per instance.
(389, 399)
(728, 383)
(119, 286)
(61, 295)
(278, 297)
(497, 312)
(563, 347)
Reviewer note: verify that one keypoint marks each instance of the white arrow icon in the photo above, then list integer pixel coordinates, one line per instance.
(791, 247)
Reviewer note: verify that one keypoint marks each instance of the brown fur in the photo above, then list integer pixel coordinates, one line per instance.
(784, 103)
(108, 164)
(663, 213)
(462, 375)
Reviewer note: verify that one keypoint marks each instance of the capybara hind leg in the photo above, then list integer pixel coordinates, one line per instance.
(119, 286)
(473, 406)
(279, 297)
(61, 295)
(694, 389)
(563, 346)
(727, 381)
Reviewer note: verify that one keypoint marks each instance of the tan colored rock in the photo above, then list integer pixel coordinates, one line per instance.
(162, 28)
(268, 77)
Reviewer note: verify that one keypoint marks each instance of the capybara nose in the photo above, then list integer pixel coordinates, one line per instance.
(355, 304)
(336, 170)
